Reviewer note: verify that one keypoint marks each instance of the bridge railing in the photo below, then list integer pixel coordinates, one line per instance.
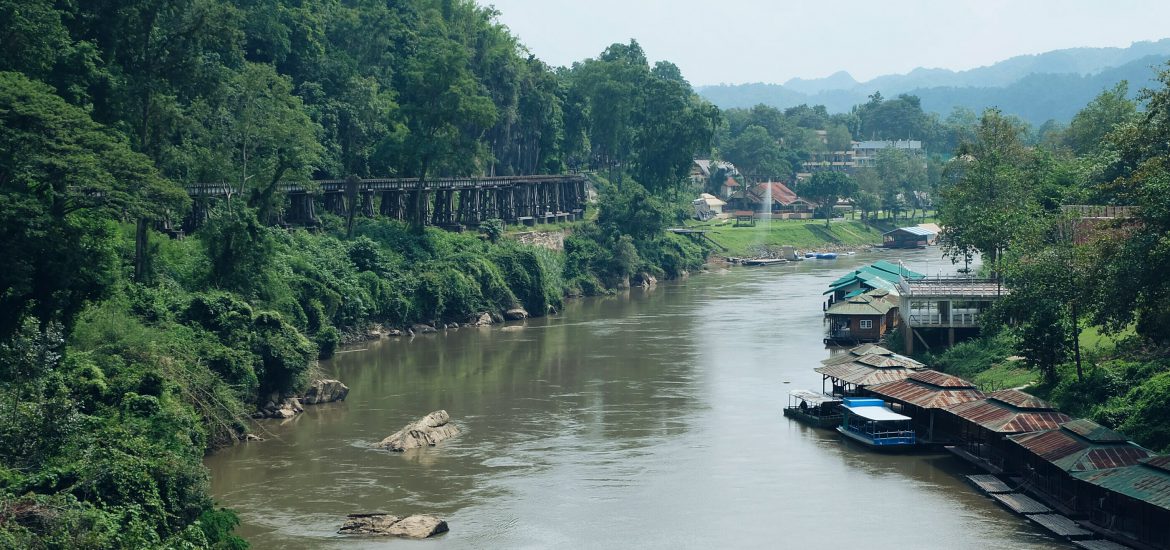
(394, 184)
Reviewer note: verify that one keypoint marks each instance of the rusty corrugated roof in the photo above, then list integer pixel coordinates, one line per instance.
(864, 375)
(915, 390)
(1002, 417)
(941, 379)
(1021, 400)
(1072, 452)
(1159, 462)
(869, 364)
(1144, 482)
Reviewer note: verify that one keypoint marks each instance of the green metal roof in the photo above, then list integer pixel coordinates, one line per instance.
(1147, 482)
(874, 279)
(888, 273)
(901, 271)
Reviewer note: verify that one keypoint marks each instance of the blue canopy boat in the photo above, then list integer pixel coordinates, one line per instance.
(826, 255)
(869, 422)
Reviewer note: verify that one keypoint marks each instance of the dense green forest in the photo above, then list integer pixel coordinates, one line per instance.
(125, 355)
(1073, 279)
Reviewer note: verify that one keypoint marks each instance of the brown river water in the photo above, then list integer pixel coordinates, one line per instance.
(646, 420)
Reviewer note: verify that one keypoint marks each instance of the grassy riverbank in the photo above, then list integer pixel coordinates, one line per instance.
(802, 234)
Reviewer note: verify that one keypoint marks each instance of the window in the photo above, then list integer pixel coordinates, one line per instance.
(866, 323)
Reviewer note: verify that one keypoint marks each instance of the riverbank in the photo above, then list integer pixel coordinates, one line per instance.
(768, 236)
(601, 427)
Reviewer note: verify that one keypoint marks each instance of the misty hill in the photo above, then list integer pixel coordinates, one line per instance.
(1035, 87)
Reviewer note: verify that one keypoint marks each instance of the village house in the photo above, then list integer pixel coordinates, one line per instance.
(880, 274)
(708, 206)
(862, 318)
(908, 237)
(779, 201)
(951, 304)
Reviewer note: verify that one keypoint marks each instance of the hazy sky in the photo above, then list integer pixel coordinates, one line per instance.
(736, 41)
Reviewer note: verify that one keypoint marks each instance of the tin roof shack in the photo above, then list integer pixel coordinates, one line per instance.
(1048, 459)
(865, 365)
(782, 202)
(881, 274)
(861, 318)
(922, 396)
(950, 303)
(907, 237)
(708, 206)
(983, 425)
(1132, 501)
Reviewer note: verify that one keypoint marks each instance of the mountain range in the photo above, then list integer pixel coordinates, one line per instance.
(1048, 86)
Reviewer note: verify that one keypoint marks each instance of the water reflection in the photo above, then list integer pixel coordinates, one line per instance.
(649, 419)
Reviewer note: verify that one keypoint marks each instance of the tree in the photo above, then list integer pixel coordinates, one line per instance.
(445, 112)
(63, 180)
(825, 188)
(838, 138)
(903, 179)
(672, 126)
(990, 199)
(757, 155)
(1089, 126)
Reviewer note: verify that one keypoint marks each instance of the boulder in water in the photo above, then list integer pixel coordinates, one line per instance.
(425, 432)
(416, 526)
(421, 328)
(325, 391)
(516, 314)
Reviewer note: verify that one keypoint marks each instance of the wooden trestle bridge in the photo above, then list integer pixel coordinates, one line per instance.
(447, 202)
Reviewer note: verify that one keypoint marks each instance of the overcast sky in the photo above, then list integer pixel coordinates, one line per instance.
(737, 41)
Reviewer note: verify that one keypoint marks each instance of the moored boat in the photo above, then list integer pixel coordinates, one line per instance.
(868, 421)
(816, 409)
(826, 255)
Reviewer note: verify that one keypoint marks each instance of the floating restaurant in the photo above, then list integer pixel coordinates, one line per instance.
(863, 366)
(1048, 459)
(982, 426)
(1072, 468)
(1132, 501)
(924, 395)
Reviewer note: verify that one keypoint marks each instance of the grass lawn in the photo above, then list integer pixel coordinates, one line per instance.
(802, 234)
(1093, 339)
(1006, 374)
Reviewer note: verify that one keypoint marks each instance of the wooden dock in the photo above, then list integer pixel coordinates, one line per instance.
(1100, 545)
(1061, 526)
(1021, 504)
(989, 484)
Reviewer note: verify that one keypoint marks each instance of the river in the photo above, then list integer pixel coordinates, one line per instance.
(646, 420)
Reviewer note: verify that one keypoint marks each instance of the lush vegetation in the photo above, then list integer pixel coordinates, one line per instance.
(768, 144)
(1087, 309)
(125, 355)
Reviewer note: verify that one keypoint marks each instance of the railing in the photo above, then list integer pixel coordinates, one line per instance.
(936, 319)
(1098, 211)
(394, 184)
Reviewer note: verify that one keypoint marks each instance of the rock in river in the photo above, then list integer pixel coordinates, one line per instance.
(415, 527)
(516, 314)
(325, 391)
(426, 431)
